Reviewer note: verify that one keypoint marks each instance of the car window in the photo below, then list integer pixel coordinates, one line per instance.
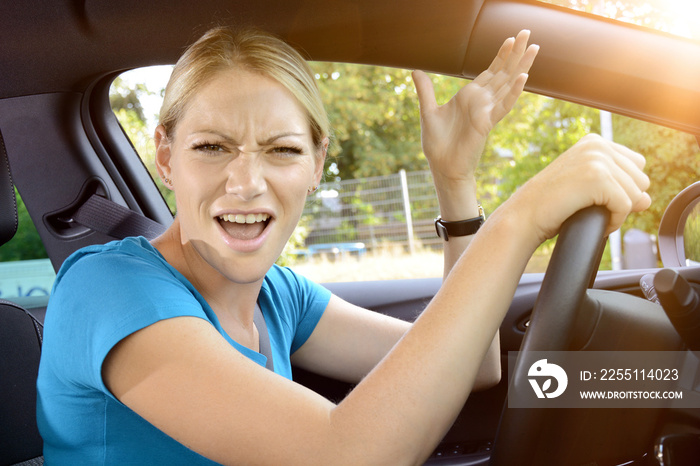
(135, 98)
(677, 17)
(25, 270)
(375, 210)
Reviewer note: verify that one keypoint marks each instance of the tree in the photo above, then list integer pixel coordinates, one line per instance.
(126, 105)
(26, 244)
(672, 164)
(375, 118)
(534, 133)
(122, 96)
(375, 115)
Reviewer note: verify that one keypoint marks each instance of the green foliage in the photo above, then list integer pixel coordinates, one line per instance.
(691, 236)
(126, 106)
(295, 243)
(26, 243)
(124, 97)
(364, 211)
(534, 133)
(671, 164)
(347, 231)
(375, 118)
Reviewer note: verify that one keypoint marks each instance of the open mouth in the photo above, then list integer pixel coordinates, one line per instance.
(244, 226)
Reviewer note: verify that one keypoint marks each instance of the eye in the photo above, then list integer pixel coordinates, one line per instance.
(288, 151)
(208, 147)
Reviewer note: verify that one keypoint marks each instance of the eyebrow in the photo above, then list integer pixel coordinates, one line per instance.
(275, 137)
(264, 142)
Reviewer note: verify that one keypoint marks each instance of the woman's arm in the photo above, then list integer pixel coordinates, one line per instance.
(348, 341)
(454, 136)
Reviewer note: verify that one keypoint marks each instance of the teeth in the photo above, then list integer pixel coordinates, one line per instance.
(250, 218)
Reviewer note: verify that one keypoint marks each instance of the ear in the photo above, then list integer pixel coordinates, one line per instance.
(163, 155)
(321, 162)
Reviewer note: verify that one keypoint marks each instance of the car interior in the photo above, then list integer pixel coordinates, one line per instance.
(83, 183)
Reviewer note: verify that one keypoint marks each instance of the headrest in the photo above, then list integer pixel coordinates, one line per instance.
(8, 202)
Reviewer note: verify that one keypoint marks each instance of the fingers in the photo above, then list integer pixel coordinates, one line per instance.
(627, 161)
(510, 53)
(498, 63)
(511, 95)
(621, 197)
(528, 59)
(631, 180)
(425, 91)
(517, 52)
(630, 171)
(514, 58)
(618, 172)
(634, 157)
(506, 77)
(523, 55)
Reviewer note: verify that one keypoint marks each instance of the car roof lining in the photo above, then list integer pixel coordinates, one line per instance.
(637, 72)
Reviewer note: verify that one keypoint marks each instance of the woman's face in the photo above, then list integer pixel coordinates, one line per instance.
(241, 161)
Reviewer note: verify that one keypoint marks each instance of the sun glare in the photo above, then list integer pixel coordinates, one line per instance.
(678, 17)
(685, 15)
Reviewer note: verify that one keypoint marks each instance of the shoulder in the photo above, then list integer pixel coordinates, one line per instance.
(282, 275)
(104, 293)
(127, 273)
(297, 301)
(287, 289)
(285, 280)
(117, 287)
(105, 259)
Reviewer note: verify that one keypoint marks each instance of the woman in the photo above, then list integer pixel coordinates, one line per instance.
(151, 350)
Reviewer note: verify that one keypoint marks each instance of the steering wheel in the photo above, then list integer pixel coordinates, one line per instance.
(570, 273)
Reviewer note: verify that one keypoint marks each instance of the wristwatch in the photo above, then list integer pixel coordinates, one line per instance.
(445, 229)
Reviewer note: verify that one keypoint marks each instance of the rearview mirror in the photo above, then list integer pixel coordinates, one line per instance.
(679, 231)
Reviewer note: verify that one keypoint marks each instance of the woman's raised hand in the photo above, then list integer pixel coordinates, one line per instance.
(453, 135)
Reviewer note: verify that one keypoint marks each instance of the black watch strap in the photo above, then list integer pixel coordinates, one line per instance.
(445, 229)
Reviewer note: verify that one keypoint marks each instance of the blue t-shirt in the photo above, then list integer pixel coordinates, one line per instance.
(101, 295)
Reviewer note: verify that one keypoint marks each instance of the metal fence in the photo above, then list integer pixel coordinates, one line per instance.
(396, 210)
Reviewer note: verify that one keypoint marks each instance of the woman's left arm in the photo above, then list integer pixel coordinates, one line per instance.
(454, 136)
(348, 341)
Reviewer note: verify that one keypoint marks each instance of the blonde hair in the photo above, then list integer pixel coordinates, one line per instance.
(222, 48)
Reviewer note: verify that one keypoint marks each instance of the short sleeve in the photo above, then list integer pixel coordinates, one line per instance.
(299, 303)
(101, 299)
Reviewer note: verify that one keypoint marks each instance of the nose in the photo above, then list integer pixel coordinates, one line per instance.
(246, 176)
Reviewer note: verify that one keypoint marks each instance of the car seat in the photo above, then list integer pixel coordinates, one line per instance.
(20, 350)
